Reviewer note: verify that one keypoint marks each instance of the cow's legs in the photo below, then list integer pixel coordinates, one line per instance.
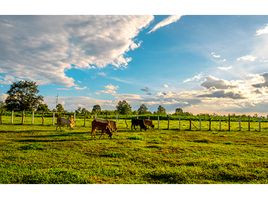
(102, 133)
(93, 132)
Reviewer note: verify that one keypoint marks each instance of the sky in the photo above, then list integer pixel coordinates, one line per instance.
(200, 63)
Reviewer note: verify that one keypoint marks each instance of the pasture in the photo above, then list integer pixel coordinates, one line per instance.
(38, 154)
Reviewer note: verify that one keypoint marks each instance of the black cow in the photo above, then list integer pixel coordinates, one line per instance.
(138, 122)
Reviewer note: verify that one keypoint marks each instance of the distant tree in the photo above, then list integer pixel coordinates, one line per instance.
(84, 110)
(22, 96)
(135, 112)
(43, 107)
(96, 109)
(178, 110)
(79, 109)
(59, 108)
(123, 107)
(2, 105)
(143, 109)
(161, 110)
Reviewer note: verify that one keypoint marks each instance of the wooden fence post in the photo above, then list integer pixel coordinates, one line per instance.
(209, 124)
(239, 124)
(260, 124)
(190, 124)
(200, 123)
(249, 123)
(2, 116)
(43, 117)
(116, 118)
(74, 116)
(53, 119)
(158, 121)
(95, 115)
(137, 116)
(22, 121)
(106, 115)
(168, 122)
(179, 123)
(12, 116)
(148, 116)
(33, 117)
(229, 120)
(219, 124)
(85, 118)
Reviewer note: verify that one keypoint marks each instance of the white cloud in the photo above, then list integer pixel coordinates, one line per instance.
(197, 77)
(101, 73)
(78, 88)
(169, 20)
(262, 31)
(166, 86)
(3, 96)
(225, 68)
(63, 89)
(108, 91)
(248, 57)
(111, 87)
(42, 48)
(79, 81)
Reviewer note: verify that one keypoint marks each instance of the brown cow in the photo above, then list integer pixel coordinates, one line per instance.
(112, 123)
(148, 122)
(104, 126)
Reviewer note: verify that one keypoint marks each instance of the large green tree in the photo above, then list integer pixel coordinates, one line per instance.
(161, 110)
(96, 109)
(178, 110)
(43, 107)
(123, 107)
(59, 108)
(143, 109)
(22, 96)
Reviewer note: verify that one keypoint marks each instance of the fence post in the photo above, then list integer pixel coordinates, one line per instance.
(43, 117)
(179, 123)
(74, 116)
(219, 124)
(168, 122)
(95, 115)
(137, 116)
(12, 115)
(239, 124)
(260, 124)
(116, 118)
(158, 121)
(148, 116)
(2, 116)
(53, 120)
(209, 124)
(22, 121)
(249, 123)
(85, 118)
(106, 115)
(229, 120)
(200, 123)
(190, 124)
(33, 117)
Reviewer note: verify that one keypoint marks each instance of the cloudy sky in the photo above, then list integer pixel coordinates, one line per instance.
(200, 63)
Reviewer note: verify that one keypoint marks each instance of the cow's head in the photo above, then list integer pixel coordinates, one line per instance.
(152, 126)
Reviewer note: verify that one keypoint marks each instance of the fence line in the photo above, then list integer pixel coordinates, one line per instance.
(158, 120)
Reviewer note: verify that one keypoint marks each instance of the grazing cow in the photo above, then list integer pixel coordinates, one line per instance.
(100, 125)
(148, 122)
(61, 121)
(112, 123)
(138, 122)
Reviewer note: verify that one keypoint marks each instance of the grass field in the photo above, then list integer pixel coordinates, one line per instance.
(38, 154)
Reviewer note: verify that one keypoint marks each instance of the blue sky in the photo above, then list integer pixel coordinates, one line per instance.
(200, 63)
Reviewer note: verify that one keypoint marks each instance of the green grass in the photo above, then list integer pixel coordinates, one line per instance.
(38, 154)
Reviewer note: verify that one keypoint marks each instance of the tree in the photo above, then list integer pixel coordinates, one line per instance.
(59, 108)
(43, 107)
(84, 110)
(143, 109)
(22, 96)
(96, 109)
(161, 110)
(2, 105)
(178, 110)
(123, 107)
(78, 109)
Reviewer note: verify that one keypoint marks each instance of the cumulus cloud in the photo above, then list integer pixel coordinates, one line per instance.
(215, 56)
(63, 89)
(111, 87)
(43, 48)
(3, 96)
(248, 57)
(225, 68)
(166, 86)
(263, 84)
(78, 88)
(102, 73)
(211, 81)
(262, 31)
(223, 94)
(197, 77)
(167, 21)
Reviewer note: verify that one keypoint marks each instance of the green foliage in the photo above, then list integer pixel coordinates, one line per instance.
(123, 107)
(43, 107)
(178, 110)
(160, 110)
(22, 95)
(96, 109)
(142, 109)
(59, 108)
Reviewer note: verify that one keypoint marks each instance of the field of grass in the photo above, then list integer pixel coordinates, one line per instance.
(38, 154)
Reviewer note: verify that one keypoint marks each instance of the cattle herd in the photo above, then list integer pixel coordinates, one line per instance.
(105, 125)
